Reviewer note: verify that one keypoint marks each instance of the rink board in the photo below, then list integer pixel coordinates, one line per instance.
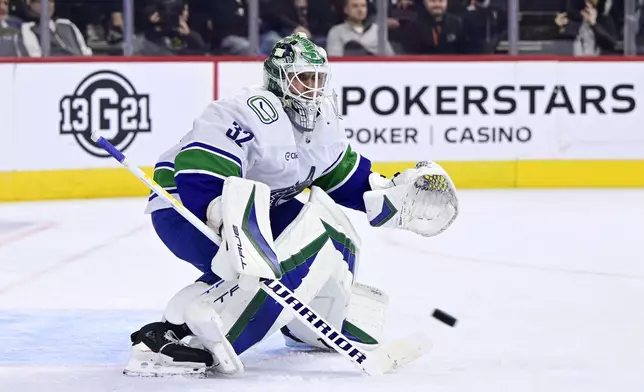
(115, 182)
(529, 123)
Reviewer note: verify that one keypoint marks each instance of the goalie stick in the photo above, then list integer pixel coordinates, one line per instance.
(377, 362)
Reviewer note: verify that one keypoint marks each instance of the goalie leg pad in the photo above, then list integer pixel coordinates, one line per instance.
(228, 320)
(366, 316)
(208, 326)
(176, 307)
(160, 348)
(249, 248)
(341, 230)
(358, 310)
(360, 316)
(330, 303)
(247, 317)
(309, 259)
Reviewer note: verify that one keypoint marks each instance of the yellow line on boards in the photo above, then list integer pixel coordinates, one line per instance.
(119, 182)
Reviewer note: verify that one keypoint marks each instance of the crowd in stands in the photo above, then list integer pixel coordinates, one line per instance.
(344, 27)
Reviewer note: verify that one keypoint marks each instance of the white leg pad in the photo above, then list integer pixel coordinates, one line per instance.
(368, 312)
(359, 308)
(212, 312)
(362, 315)
(206, 324)
(176, 307)
(331, 304)
(331, 213)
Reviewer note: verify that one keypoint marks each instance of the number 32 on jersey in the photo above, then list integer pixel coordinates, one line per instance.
(239, 135)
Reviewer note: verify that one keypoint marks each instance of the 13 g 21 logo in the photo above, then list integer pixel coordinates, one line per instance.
(107, 102)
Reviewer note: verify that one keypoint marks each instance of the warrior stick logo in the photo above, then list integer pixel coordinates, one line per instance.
(105, 102)
(319, 324)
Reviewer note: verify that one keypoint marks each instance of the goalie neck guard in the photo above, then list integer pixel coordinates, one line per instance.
(297, 71)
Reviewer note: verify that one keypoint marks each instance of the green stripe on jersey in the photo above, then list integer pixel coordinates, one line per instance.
(340, 173)
(164, 176)
(205, 161)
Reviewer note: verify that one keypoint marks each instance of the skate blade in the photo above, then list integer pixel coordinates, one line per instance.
(170, 373)
(155, 368)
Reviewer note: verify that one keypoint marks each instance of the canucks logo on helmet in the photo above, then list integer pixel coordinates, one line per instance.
(297, 71)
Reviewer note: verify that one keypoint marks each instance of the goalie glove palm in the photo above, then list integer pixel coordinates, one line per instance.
(422, 200)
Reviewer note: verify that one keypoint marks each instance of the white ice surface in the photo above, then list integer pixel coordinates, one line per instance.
(548, 287)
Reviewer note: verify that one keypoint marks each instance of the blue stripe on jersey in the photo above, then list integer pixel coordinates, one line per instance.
(197, 191)
(168, 165)
(333, 164)
(350, 193)
(215, 150)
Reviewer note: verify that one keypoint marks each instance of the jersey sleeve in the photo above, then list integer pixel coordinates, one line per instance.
(207, 158)
(347, 179)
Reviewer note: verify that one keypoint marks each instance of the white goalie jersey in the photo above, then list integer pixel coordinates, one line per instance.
(250, 135)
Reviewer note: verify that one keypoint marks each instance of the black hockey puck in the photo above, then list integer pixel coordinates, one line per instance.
(444, 317)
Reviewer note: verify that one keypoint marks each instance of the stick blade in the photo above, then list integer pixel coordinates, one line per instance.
(402, 351)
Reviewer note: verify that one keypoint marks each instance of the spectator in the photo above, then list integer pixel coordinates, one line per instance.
(100, 21)
(356, 31)
(615, 8)
(104, 20)
(4, 12)
(400, 13)
(483, 24)
(10, 41)
(435, 31)
(183, 39)
(337, 10)
(149, 28)
(66, 38)
(230, 27)
(114, 25)
(592, 31)
(7, 21)
(284, 17)
(163, 30)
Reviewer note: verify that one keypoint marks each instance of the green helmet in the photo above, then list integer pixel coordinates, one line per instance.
(297, 71)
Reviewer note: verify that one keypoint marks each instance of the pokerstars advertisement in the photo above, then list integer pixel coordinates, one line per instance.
(391, 111)
(400, 111)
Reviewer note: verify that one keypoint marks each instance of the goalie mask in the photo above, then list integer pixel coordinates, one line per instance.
(297, 71)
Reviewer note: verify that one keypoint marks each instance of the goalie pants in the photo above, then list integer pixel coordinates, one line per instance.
(189, 244)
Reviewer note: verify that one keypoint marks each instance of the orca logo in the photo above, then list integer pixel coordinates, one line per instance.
(107, 103)
(282, 195)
